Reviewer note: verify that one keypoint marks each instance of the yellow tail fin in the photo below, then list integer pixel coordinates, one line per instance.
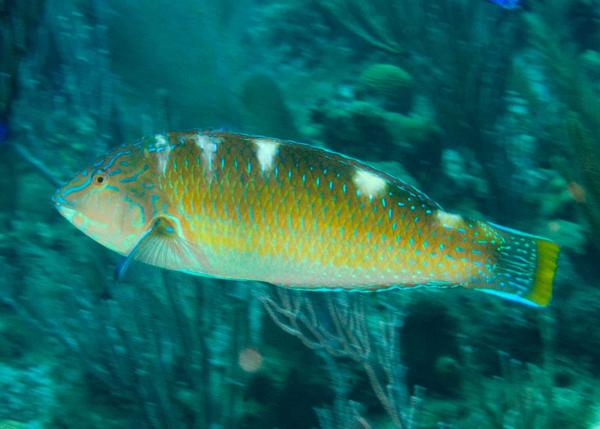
(525, 268)
(547, 256)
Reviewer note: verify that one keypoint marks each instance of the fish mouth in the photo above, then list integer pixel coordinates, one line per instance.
(64, 206)
(60, 201)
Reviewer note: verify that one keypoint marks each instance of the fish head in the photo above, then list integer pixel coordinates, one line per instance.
(112, 200)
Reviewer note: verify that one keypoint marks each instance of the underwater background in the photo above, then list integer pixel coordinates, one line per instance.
(491, 108)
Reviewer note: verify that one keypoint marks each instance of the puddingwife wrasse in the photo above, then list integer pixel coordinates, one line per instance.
(243, 207)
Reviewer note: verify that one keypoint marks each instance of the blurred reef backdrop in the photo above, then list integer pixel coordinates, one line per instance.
(493, 111)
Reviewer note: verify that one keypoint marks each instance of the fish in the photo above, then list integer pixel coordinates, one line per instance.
(507, 4)
(243, 207)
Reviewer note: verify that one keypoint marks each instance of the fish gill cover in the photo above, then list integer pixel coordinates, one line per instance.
(491, 109)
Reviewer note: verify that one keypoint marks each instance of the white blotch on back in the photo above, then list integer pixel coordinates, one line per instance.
(208, 145)
(369, 183)
(163, 151)
(449, 220)
(266, 151)
(161, 141)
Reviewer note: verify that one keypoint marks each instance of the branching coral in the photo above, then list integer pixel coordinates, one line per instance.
(389, 26)
(344, 326)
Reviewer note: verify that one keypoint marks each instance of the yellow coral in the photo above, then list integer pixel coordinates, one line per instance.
(386, 79)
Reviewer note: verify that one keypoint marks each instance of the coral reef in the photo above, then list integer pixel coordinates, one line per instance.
(491, 111)
(574, 85)
(349, 331)
(587, 163)
(391, 82)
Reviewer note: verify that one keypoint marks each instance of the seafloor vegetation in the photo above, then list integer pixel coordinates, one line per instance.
(493, 112)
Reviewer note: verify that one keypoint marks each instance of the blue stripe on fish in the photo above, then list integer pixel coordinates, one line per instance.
(135, 176)
(115, 157)
(79, 188)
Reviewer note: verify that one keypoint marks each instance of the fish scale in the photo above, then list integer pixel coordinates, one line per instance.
(366, 252)
(245, 207)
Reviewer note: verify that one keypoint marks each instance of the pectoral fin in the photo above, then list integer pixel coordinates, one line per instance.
(163, 247)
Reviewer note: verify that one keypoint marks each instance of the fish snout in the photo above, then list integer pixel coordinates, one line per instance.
(59, 200)
(64, 206)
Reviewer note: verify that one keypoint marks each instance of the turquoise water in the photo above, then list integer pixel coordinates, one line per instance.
(492, 111)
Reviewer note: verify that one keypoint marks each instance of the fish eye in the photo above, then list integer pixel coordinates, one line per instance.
(100, 178)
